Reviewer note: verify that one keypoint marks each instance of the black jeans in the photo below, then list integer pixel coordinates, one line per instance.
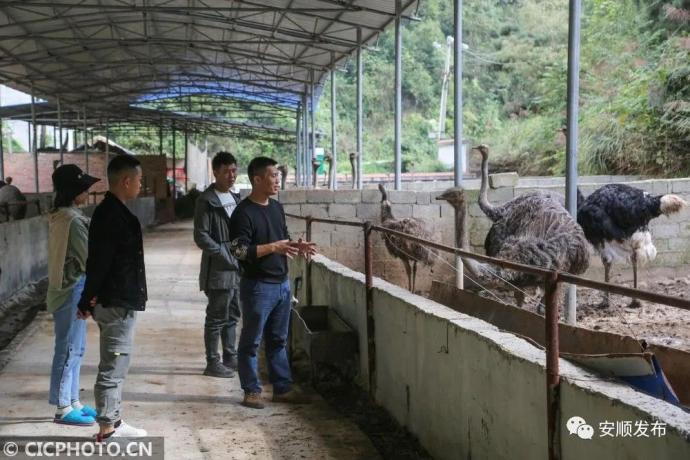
(222, 315)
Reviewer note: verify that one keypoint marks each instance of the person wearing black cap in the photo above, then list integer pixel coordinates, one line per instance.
(67, 248)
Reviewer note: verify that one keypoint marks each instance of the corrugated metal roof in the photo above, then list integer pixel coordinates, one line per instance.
(108, 55)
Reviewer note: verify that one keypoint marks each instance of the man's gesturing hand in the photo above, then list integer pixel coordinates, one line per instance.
(305, 249)
(285, 247)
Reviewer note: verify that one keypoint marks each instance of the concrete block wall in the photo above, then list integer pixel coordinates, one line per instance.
(24, 246)
(345, 244)
(23, 254)
(468, 390)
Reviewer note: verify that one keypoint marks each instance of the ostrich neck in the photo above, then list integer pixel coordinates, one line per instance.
(490, 210)
(386, 212)
(461, 233)
(462, 240)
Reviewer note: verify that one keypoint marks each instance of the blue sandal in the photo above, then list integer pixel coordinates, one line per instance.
(75, 418)
(88, 411)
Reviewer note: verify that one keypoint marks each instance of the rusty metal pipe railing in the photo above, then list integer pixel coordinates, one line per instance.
(27, 203)
(371, 325)
(310, 292)
(351, 223)
(553, 379)
(552, 278)
(543, 272)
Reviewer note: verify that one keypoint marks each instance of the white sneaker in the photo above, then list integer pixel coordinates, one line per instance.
(128, 431)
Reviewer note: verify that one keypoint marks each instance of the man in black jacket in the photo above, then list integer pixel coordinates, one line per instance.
(219, 275)
(115, 290)
(261, 242)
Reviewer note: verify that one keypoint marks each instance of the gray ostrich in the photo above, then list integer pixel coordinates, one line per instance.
(314, 169)
(353, 165)
(283, 176)
(532, 229)
(409, 252)
(330, 179)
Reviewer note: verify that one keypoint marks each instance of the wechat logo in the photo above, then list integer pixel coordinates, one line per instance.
(578, 426)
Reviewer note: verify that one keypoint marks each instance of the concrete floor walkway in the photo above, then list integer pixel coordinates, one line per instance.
(165, 393)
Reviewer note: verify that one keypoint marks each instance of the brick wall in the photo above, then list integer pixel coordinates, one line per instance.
(20, 166)
(345, 244)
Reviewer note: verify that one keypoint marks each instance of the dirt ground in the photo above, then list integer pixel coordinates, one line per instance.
(658, 324)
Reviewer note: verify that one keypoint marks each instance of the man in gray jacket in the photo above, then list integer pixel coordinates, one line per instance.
(219, 275)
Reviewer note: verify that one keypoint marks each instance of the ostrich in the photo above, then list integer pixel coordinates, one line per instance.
(409, 252)
(12, 202)
(314, 169)
(615, 219)
(283, 176)
(353, 165)
(532, 229)
(330, 182)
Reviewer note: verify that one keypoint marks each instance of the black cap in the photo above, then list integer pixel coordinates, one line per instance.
(70, 179)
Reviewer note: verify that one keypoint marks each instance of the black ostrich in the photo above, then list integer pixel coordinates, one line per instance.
(409, 252)
(615, 219)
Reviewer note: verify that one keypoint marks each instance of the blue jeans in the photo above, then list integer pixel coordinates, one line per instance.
(265, 312)
(70, 341)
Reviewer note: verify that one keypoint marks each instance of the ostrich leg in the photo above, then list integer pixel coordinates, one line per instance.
(606, 301)
(634, 303)
(408, 270)
(414, 276)
(314, 168)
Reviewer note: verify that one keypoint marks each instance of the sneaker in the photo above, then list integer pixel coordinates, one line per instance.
(75, 418)
(291, 397)
(88, 410)
(253, 401)
(230, 363)
(122, 430)
(218, 370)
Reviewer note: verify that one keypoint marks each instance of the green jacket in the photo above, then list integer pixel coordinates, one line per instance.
(68, 236)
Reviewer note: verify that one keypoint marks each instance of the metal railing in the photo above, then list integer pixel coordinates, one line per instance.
(93, 199)
(552, 280)
(6, 207)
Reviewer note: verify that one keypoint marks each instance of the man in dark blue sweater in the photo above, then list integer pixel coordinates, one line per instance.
(260, 241)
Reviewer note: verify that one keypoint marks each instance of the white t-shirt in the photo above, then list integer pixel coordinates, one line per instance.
(227, 200)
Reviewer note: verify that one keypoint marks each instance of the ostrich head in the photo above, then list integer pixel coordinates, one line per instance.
(483, 149)
(353, 157)
(328, 159)
(455, 196)
(384, 195)
(386, 210)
